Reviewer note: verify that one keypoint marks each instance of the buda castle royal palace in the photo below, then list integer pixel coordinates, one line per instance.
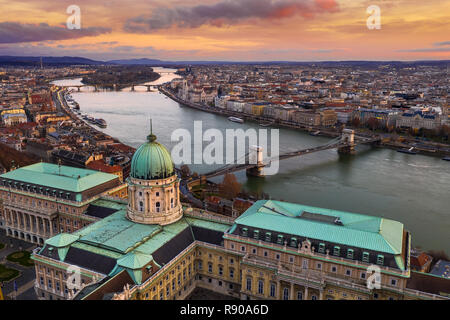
(97, 238)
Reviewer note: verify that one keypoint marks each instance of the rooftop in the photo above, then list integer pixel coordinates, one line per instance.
(59, 177)
(351, 229)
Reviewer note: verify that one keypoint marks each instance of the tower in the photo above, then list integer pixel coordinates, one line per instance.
(153, 186)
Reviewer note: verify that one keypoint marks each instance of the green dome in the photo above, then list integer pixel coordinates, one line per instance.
(151, 161)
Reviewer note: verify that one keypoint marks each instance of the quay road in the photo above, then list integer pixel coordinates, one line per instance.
(423, 147)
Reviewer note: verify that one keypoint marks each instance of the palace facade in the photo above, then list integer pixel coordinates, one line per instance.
(44, 199)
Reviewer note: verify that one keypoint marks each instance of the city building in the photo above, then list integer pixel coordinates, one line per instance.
(153, 248)
(43, 199)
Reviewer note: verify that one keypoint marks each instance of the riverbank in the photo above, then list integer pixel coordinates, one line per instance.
(429, 149)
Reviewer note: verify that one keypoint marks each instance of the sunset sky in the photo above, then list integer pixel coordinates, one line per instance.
(233, 30)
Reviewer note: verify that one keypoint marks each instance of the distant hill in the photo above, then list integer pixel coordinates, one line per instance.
(138, 61)
(36, 61)
(55, 61)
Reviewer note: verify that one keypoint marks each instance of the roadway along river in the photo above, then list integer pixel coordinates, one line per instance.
(412, 189)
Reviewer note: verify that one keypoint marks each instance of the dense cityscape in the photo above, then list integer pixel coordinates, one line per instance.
(224, 158)
(49, 147)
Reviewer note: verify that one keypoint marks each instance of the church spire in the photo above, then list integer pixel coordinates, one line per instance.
(151, 137)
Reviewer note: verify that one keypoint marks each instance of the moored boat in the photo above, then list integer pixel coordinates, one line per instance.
(235, 119)
(408, 151)
(101, 123)
(446, 158)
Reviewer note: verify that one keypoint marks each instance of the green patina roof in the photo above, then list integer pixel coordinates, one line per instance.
(134, 260)
(357, 230)
(59, 177)
(151, 161)
(62, 240)
(117, 233)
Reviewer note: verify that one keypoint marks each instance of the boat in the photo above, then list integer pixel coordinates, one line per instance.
(408, 151)
(235, 119)
(314, 133)
(266, 124)
(101, 123)
(446, 158)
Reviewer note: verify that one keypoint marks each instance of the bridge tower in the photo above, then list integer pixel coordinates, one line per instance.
(256, 157)
(348, 141)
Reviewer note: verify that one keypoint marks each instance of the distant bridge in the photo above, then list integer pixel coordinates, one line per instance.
(115, 86)
(345, 144)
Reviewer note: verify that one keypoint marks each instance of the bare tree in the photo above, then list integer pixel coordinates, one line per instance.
(230, 187)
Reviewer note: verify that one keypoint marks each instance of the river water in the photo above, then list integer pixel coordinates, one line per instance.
(412, 189)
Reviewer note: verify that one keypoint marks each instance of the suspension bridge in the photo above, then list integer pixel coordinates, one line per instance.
(254, 163)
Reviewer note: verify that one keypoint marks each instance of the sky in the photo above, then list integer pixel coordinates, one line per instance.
(232, 30)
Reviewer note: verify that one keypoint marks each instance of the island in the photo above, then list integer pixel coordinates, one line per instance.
(120, 76)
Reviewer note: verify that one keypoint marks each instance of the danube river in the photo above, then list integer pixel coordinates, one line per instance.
(413, 189)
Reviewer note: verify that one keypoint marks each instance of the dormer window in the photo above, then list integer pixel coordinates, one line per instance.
(322, 247)
(380, 259)
(337, 251)
(350, 253)
(365, 257)
(294, 242)
(280, 239)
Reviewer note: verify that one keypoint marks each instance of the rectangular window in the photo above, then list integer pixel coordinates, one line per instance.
(272, 289)
(261, 287)
(249, 284)
(231, 273)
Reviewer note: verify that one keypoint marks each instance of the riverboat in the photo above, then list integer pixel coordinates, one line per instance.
(235, 119)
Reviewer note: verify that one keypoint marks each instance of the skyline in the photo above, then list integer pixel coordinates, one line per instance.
(229, 30)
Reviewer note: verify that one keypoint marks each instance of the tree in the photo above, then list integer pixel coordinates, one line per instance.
(185, 171)
(356, 122)
(230, 187)
(373, 123)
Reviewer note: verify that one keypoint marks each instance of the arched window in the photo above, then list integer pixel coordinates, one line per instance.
(158, 205)
(171, 203)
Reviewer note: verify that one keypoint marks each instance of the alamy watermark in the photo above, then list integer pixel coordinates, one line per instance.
(74, 20)
(250, 146)
(374, 20)
(374, 278)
